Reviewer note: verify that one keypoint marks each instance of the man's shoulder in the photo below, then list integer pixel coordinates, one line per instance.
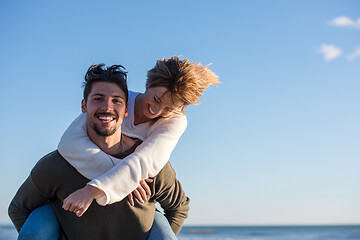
(50, 162)
(168, 168)
(166, 174)
(51, 157)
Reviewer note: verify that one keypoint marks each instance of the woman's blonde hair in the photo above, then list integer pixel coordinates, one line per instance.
(184, 79)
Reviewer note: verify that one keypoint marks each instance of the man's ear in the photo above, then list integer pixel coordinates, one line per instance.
(83, 106)
(126, 111)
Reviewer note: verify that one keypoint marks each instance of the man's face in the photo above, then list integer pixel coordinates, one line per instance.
(105, 108)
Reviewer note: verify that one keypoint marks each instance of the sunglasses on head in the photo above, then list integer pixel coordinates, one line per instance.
(115, 69)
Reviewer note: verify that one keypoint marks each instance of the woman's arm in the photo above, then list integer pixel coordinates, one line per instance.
(84, 155)
(147, 160)
(83, 198)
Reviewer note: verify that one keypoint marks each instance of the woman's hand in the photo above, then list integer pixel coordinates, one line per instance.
(141, 191)
(80, 200)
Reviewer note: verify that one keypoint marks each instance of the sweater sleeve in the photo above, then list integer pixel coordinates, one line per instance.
(117, 182)
(172, 198)
(38, 188)
(147, 161)
(84, 155)
(27, 198)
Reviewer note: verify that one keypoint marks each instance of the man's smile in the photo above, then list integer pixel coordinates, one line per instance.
(106, 117)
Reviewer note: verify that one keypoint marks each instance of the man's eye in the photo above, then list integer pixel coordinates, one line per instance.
(116, 101)
(97, 99)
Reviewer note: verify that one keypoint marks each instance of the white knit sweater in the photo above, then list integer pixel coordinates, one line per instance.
(159, 140)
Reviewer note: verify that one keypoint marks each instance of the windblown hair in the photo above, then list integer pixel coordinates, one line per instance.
(98, 73)
(184, 79)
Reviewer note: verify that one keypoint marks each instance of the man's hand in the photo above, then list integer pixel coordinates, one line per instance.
(141, 191)
(80, 200)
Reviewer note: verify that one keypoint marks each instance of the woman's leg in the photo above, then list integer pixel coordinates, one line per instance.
(161, 229)
(40, 225)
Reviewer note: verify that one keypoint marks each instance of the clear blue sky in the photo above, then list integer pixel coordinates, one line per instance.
(276, 143)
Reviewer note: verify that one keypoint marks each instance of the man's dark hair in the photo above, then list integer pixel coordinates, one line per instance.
(98, 73)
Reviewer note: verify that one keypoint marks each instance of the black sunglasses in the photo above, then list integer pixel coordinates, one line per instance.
(114, 69)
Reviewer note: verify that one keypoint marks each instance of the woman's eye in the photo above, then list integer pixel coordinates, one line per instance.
(170, 110)
(156, 100)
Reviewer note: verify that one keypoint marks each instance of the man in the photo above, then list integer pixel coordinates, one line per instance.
(53, 178)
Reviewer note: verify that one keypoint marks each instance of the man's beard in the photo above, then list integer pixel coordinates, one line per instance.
(104, 133)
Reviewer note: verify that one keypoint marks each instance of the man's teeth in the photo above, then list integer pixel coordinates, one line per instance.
(106, 118)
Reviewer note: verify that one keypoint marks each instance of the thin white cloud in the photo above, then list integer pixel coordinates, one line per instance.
(354, 55)
(330, 52)
(344, 21)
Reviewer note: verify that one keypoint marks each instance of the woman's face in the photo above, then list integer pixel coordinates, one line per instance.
(158, 102)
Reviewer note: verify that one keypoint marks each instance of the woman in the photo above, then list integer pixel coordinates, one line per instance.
(157, 118)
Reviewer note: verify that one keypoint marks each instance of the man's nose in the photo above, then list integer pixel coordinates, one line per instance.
(107, 105)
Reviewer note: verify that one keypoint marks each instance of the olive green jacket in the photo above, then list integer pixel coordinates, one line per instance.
(53, 178)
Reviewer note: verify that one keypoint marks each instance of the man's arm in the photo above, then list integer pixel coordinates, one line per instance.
(171, 197)
(27, 198)
(39, 187)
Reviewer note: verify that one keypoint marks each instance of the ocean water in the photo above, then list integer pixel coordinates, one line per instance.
(271, 233)
(8, 232)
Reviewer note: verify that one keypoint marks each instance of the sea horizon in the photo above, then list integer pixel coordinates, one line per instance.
(249, 232)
